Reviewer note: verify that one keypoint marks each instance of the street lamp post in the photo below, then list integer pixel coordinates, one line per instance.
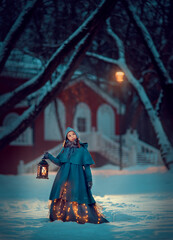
(120, 78)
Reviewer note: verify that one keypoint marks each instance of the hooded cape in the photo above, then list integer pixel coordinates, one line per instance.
(80, 156)
(69, 129)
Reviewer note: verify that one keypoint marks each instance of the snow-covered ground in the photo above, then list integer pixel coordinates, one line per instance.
(137, 201)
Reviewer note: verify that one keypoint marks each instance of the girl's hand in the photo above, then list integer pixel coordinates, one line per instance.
(46, 155)
(90, 185)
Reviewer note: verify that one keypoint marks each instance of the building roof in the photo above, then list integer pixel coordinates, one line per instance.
(21, 65)
(98, 90)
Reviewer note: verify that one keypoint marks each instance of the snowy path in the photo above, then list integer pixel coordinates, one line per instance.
(138, 206)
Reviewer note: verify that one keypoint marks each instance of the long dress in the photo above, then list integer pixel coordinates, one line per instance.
(71, 198)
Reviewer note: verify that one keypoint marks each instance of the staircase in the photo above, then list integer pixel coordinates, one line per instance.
(145, 153)
(148, 154)
(134, 151)
(107, 148)
(110, 150)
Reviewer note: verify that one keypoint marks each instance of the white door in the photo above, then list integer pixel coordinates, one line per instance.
(106, 120)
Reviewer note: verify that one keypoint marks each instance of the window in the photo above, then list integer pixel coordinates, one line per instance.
(82, 118)
(81, 124)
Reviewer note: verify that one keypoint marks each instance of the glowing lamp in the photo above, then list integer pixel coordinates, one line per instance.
(119, 76)
(42, 169)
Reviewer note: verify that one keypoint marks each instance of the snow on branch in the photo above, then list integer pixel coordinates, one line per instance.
(163, 141)
(102, 58)
(155, 56)
(93, 21)
(159, 101)
(118, 41)
(16, 30)
(49, 94)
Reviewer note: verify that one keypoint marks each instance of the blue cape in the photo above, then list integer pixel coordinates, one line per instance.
(79, 156)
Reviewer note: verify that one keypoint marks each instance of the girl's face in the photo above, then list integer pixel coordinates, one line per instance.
(71, 136)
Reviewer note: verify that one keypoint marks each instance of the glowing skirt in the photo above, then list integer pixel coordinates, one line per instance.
(64, 210)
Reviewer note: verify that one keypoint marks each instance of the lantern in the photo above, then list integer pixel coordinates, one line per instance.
(42, 169)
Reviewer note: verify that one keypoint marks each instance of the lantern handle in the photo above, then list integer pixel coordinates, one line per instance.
(46, 155)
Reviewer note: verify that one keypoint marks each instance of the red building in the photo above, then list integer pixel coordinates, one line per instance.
(82, 105)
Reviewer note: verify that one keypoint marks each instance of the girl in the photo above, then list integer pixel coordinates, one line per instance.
(71, 198)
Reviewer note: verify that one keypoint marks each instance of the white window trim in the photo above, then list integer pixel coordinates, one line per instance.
(78, 114)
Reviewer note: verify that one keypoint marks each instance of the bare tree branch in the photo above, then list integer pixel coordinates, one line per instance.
(165, 79)
(56, 87)
(116, 39)
(94, 20)
(157, 107)
(101, 57)
(166, 148)
(16, 31)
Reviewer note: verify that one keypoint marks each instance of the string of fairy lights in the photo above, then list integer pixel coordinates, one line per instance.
(71, 208)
